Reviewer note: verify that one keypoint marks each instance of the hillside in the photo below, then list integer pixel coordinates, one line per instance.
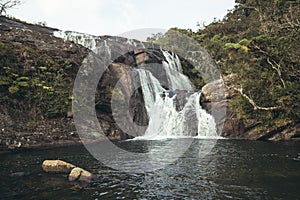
(37, 72)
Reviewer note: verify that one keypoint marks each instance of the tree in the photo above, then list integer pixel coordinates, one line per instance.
(154, 37)
(7, 4)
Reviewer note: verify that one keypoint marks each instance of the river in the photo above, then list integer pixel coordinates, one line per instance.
(233, 169)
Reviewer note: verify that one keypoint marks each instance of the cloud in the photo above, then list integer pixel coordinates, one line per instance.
(66, 8)
(113, 17)
(129, 16)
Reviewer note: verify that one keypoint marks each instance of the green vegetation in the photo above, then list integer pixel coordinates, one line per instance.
(259, 41)
(33, 81)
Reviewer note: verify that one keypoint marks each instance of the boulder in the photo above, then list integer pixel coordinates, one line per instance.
(57, 166)
(81, 175)
(75, 174)
(219, 90)
(215, 99)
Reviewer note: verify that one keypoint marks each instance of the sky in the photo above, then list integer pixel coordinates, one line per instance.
(114, 17)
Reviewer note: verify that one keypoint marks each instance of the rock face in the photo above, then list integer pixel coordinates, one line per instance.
(34, 54)
(107, 94)
(216, 91)
(57, 166)
(215, 100)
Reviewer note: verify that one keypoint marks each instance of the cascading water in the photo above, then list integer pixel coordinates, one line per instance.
(151, 88)
(173, 68)
(165, 120)
(94, 43)
(85, 40)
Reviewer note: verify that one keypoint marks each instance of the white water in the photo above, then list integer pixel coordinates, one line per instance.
(94, 43)
(164, 120)
(86, 40)
(151, 88)
(175, 76)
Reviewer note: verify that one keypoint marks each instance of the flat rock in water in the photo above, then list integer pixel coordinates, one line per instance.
(57, 166)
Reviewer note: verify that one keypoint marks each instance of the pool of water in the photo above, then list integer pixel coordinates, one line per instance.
(232, 169)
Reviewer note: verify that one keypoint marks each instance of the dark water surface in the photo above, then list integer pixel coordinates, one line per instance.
(231, 170)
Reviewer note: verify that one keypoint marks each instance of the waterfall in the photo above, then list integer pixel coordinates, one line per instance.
(165, 119)
(86, 40)
(94, 43)
(151, 88)
(175, 76)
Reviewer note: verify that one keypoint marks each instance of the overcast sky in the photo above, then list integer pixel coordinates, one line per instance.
(113, 17)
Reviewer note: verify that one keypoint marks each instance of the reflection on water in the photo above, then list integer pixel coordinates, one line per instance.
(231, 170)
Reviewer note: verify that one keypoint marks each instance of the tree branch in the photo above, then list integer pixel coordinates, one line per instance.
(276, 66)
(250, 7)
(250, 100)
(273, 64)
(7, 4)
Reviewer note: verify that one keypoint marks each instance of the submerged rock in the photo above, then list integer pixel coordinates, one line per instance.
(57, 166)
(18, 174)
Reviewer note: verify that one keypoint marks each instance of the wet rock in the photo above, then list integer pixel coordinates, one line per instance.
(216, 98)
(81, 175)
(57, 166)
